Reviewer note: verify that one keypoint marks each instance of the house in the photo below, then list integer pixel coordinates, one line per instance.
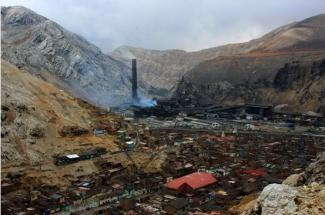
(191, 182)
(73, 157)
(57, 198)
(99, 131)
(176, 206)
(154, 183)
(68, 159)
(91, 153)
(130, 145)
(182, 169)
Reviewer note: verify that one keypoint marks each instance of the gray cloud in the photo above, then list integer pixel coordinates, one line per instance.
(171, 24)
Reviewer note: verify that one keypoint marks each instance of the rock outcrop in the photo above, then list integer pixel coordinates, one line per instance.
(315, 172)
(44, 48)
(288, 198)
(280, 199)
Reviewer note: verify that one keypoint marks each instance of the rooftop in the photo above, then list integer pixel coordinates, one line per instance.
(194, 181)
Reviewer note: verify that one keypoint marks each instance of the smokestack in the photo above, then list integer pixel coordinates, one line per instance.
(134, 81)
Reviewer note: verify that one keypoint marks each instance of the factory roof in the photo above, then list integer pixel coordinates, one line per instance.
(194, 181)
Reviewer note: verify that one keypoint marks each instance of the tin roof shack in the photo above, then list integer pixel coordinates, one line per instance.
(52, 203)
(180, 168)
(154, 183)
(71, 131)
(92, 153)
(57, 198)
(67, 159)
(178, 206)
(191, 182)
(128, 206)
(121, 134)
(99, 132)
(130, 145)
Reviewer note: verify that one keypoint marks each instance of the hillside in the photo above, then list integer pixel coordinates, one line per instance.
(231, 66)
(295, 79)
(287, 68)
(160, 71)
(32, 114)
(40, 122)
(45, 49)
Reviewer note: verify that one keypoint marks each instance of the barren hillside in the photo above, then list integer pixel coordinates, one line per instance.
(44, 48)
(33, 113)
(231, 66)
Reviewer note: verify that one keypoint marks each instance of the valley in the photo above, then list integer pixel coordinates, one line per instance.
(233, 129)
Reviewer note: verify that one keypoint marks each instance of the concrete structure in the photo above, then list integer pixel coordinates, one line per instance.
(134, 82)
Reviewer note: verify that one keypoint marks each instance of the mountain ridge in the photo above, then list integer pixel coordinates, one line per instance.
(156, 65)
(237, 66)
(43, 47)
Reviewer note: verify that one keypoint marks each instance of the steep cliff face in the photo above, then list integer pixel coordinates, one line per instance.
(307, 79)
(286, 68)
(161, 71)
(44, 48)
(300, 83)
(296, 74)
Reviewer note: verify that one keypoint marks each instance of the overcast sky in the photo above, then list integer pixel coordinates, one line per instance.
(171, 24)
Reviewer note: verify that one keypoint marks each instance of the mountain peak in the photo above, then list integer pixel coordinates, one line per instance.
(314, 21)
(19, 15)
(41, 46)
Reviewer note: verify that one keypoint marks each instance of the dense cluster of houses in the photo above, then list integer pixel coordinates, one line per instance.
(204, 172)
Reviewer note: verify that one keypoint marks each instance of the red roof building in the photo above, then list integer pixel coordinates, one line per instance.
(192, 182)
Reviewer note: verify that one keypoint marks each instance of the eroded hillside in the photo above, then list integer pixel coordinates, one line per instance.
(33, 113)
(44, 48)
(296, 79)
(238, 73)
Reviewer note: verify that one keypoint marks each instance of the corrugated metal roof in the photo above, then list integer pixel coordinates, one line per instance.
(195, 180)
(72, 156)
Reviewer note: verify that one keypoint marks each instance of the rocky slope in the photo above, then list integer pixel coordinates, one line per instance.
(36, 123)
(160, 71)
(296, 79)
(32, 113)
(281, 199)
(44, 48)
(215, 74)
(257, 68)
(287, 67)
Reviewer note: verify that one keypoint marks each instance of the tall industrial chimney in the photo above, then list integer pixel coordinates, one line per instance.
(134, 81)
